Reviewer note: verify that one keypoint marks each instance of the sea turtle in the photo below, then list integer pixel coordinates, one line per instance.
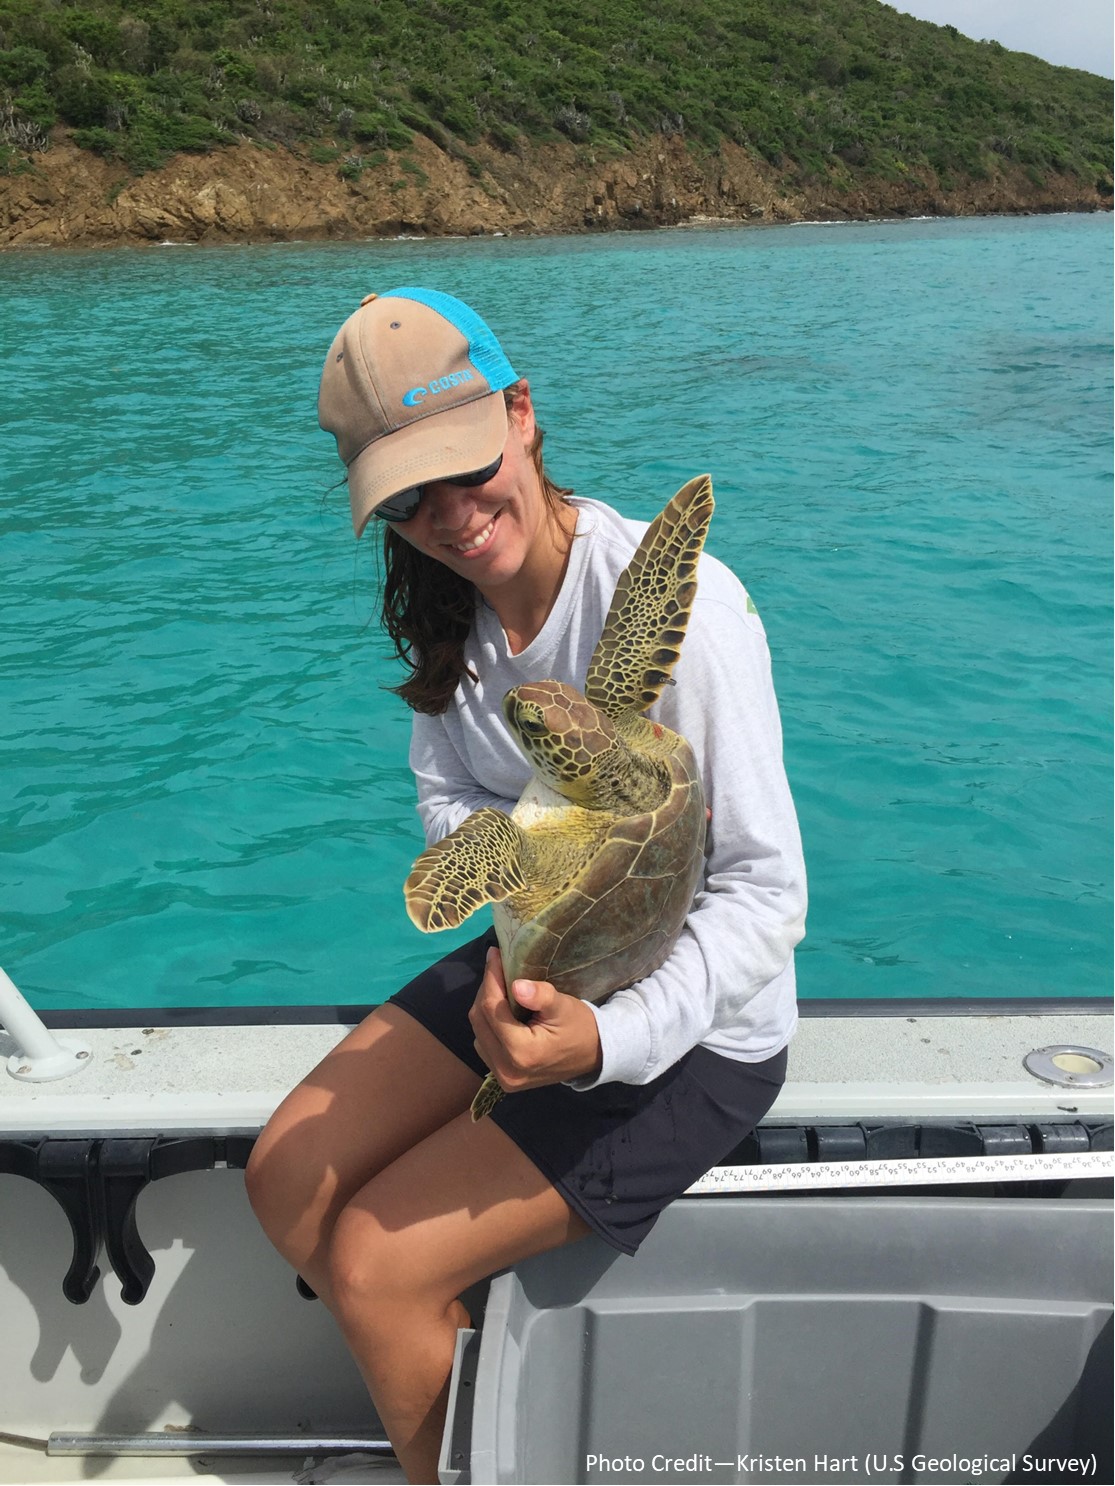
(593, 873)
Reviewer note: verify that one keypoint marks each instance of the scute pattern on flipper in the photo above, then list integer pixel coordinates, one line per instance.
(642, 636)
(481, 862)
(487, 1097)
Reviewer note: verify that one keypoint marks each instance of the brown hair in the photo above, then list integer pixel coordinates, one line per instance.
(428, 609)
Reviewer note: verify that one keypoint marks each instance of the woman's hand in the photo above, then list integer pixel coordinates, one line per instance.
(560, 1040)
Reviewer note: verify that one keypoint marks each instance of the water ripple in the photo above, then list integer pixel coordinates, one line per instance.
(206, 795)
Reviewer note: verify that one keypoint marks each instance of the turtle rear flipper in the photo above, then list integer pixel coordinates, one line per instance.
(642, 635)
(480, 862)
(488, 1096)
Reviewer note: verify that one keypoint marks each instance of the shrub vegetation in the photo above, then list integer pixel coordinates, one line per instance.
(832, 89)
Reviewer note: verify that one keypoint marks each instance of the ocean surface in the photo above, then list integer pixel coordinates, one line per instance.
(204, 794)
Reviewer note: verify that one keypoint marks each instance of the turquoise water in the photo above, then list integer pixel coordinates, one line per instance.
(204, 796)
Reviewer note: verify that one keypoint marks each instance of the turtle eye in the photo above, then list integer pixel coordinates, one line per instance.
(534, 727)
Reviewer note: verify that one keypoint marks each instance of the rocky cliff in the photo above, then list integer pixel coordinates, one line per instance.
(71, 198)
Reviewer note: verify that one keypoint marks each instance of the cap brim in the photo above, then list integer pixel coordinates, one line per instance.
(455, 442)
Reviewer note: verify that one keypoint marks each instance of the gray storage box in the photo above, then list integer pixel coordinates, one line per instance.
(826, 1339)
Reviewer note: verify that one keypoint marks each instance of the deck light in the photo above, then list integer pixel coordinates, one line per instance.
(1070, 1067)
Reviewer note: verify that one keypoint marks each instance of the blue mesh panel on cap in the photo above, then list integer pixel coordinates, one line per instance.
(484, 350)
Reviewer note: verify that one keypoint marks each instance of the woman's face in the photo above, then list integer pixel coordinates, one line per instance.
(496, 533)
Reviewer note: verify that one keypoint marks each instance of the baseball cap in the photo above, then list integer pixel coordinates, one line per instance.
(412, 391)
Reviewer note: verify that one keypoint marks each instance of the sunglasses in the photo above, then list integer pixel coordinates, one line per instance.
(403, 506)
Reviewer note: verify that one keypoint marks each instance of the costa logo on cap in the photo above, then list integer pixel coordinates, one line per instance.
(416, 395)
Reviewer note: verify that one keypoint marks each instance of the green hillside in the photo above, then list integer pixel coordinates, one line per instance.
(832, 90)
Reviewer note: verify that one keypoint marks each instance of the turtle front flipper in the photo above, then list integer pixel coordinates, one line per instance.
(480, 862)
(642, 635)
(488, 1096)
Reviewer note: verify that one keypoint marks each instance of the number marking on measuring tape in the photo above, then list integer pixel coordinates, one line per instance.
(799, 1176)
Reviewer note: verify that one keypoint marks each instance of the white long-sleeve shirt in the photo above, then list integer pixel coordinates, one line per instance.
(728, 984)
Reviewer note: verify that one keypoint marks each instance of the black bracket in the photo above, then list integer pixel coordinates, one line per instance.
(97, 1183)
(97, 1180)
(66, 1169)
(895, 1140)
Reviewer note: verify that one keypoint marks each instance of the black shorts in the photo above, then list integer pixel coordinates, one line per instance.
(618, 1153)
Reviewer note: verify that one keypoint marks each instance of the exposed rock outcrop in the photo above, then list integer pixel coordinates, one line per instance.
(248, 193)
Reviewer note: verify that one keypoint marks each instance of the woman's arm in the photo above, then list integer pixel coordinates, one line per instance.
(745, 922)
(448, 793)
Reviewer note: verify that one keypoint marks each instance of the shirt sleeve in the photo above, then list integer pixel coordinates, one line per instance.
(746, 920)
(448, 792)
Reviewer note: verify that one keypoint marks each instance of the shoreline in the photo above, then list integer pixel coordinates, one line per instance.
(694, 224)
(247, 195)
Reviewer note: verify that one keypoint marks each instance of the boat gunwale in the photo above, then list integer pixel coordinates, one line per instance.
(348, 1015)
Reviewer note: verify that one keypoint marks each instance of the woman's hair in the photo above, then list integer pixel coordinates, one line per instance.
(428, 609)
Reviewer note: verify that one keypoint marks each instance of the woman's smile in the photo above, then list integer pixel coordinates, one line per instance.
(473, 545)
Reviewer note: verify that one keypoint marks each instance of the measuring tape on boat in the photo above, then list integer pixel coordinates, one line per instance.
(804, 1176)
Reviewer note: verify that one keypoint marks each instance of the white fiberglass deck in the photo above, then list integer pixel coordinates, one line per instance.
(171, 1078)
(223, 1342)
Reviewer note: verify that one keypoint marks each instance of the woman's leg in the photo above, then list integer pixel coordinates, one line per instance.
(462, 1203)
(387, 1086)
(373, 1182)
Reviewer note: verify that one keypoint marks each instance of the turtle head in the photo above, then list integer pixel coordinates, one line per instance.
(567, 741)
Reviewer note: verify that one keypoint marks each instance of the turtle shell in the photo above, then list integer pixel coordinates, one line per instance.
(620, 916)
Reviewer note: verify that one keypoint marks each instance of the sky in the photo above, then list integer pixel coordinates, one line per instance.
(1070, 33)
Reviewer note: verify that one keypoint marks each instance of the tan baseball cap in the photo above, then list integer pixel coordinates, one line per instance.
(412, 390)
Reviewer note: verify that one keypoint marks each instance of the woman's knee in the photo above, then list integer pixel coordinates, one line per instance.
(373, 1268)
(282, 1178)
(260, 1176)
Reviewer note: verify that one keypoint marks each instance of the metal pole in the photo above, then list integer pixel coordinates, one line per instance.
(41, 1056)
(185, 1442)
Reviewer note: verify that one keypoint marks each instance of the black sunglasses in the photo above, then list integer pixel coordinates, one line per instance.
(403, 506)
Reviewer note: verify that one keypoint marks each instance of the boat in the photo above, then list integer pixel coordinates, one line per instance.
(904, 1274)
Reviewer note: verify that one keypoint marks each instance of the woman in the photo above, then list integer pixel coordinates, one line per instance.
(371, 1178)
